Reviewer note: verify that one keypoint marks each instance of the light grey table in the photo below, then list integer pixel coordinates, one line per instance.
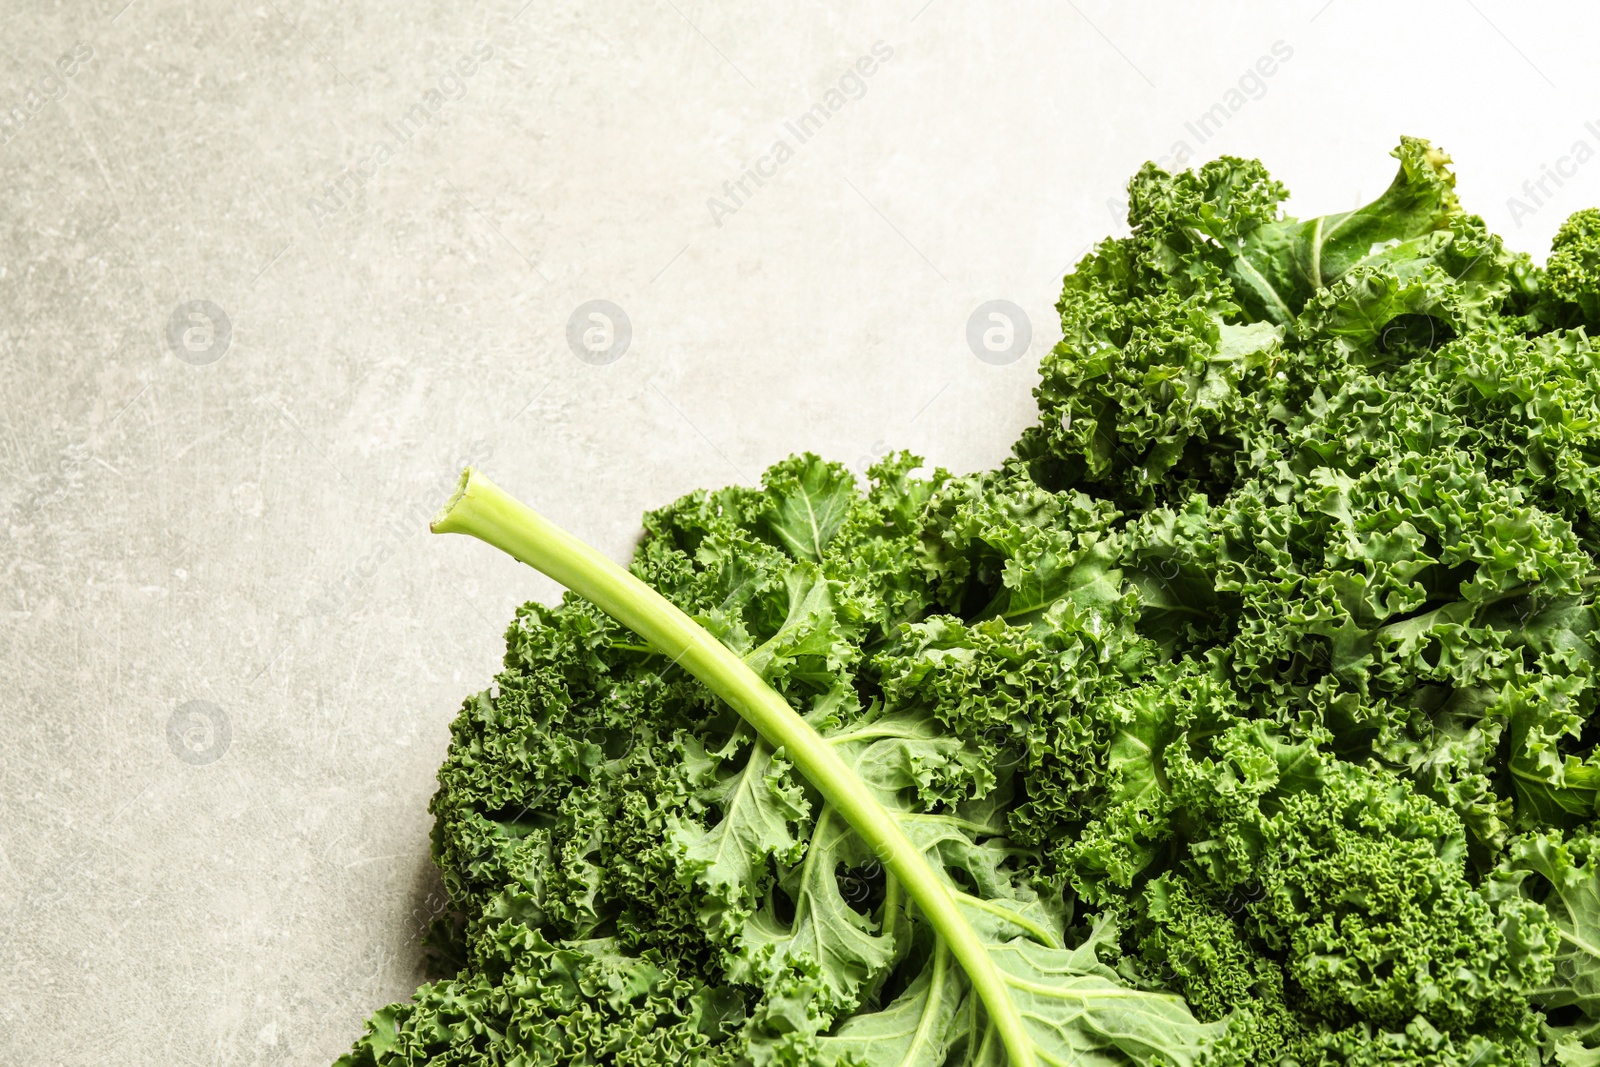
(270, 272)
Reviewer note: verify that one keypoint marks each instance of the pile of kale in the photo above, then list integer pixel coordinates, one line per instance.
(1261, 674)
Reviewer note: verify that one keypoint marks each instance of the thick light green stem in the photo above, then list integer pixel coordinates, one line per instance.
(481, 509)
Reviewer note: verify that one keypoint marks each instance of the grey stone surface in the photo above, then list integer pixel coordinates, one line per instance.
(230, 652)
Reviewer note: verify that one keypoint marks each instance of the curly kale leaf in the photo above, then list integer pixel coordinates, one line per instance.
(599, 796)
(1216, 314)
(1278, 266)
(1339, 884)
(1572, 276)
(1561, 873)
(580, 1003)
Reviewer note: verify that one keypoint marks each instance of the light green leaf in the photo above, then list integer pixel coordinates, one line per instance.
(810, 500)
(1564, 876)
(914, 1031)
(761, 810)
(1078, 1013)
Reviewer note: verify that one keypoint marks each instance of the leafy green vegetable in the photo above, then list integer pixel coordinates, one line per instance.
(1246, 715)
(1040, 1003)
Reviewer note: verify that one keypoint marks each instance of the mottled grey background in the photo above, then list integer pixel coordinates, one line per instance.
(230, 651)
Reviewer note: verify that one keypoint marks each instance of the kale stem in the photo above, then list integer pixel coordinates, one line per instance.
(481, 509)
